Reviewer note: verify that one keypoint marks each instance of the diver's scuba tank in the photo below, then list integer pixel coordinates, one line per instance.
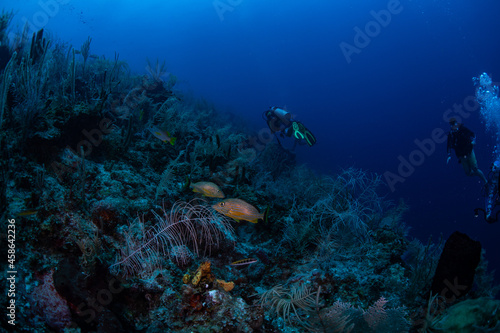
(493, 189)
(283, 115)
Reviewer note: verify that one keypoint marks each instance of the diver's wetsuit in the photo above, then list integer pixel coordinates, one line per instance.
(461, 141)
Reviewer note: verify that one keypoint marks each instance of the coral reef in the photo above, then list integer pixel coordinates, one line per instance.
(110, 226)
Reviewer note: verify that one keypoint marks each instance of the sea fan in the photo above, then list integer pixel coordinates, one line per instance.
(193, 225)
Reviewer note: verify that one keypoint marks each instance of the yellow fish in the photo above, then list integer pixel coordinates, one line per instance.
(27, 212)
(207, 189)
(239, 210)
(247, 261)
(162, 135)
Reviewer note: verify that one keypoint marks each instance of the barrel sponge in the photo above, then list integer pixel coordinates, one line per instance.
(457, 265)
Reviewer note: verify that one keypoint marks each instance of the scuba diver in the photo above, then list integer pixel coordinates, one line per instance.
(281, 121)
(492, 199)
(462, 140)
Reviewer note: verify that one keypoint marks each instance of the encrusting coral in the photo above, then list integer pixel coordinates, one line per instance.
(227, 286)
(205, 276)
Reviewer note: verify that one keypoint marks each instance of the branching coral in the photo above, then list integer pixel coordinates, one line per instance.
(294, 303)
(156, 71)
(346, 206)
(5, 19)
(351, 202)
(422, 261)
(6, 80)
(187, 224)
(302, 305)
(85, 51)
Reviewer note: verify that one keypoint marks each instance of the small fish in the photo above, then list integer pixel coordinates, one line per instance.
(217, 138)
(162, 135)
(240, 210)
(207, 189)
(27, 212)
(242, 262)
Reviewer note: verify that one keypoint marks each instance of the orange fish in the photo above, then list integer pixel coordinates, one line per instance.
(239, 210)
(207, 189)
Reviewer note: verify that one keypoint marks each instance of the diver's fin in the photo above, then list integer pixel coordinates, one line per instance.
(310, 138)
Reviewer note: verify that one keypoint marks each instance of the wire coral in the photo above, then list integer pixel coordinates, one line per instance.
(186, 224)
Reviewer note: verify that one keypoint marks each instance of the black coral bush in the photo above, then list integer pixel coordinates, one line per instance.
(188, 226)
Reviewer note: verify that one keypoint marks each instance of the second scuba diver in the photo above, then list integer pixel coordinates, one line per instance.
(462, 140)
(281, 121)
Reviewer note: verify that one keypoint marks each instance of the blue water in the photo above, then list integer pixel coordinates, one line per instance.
(366, 110)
